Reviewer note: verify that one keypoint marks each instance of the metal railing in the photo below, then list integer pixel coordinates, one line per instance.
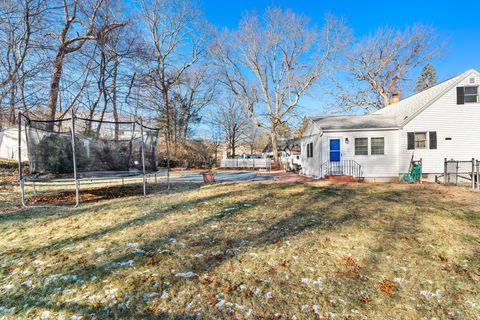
(246, 163)
(342, 168)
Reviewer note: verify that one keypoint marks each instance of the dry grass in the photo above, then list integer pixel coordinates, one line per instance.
(270, 251)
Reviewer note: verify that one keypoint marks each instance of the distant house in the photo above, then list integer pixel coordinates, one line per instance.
(289, 152)
(440, 122)
(9, 144)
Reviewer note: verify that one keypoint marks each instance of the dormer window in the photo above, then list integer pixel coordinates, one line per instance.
(467, 94)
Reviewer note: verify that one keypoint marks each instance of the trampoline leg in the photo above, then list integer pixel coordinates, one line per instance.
(22, 193)
(144, 186)
(34, 189)
(77, 193)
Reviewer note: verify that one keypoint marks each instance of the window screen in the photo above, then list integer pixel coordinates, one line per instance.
(361, 146)
(471, 94)
(378, 145)
(420, 140)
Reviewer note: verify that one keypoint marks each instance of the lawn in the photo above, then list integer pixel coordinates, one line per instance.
(259, 251)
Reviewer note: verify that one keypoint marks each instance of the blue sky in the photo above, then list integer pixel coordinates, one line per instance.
(457, 22)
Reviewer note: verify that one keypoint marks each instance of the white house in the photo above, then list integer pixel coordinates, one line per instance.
(440, 122)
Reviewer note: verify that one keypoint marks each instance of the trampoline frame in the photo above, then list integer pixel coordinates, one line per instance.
(75, 178)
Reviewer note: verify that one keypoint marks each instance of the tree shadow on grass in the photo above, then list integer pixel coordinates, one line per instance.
(324, 208)
(98, 198)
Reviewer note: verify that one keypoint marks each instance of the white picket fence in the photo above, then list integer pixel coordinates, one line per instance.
(245, 163)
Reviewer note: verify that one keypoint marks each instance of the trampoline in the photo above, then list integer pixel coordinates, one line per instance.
(79, 149)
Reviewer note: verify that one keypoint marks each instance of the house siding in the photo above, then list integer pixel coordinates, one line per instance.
(311, 166)
(461, 123)
(373, 166)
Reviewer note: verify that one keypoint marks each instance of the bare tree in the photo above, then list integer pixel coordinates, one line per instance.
(174, 45)
(79, 26)
(233, 122)
(19, 21)
(270, 62)
(379, 65)
(195, 91)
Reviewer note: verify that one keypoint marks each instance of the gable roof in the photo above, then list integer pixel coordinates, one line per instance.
(394, 115)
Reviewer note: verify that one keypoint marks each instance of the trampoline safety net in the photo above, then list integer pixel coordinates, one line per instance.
(101, 147)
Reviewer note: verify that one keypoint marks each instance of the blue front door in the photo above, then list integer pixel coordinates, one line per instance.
(335, 150)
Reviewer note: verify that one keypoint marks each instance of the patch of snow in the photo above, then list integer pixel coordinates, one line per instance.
(268, 295)
(425, 293)
(27, 283)
(315, 310)
(76, 317)
(139, 251)
(132, 244)
(149, 295)
(70, 278)
(220, 304)
(69, 291)
(100, 250)
(6, 310)
(398, 280)
(188, 275)
(8, 286)
(164, 295)
(128, 263)
(45, 315)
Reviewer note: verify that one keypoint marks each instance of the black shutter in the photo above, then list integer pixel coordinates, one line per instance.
(411, 140)
(460, 95)
(433, 139)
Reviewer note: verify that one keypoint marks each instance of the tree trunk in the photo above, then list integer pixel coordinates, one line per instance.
(167, 132)
(114, 99)
(273, 134)
(54, 86)
(13, 94)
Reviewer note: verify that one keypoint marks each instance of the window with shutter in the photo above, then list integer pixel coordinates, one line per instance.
(433, 139)
(470, 94)
(420, 140)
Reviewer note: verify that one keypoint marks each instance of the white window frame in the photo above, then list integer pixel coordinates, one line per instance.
(355, 146)
(470, 95)
(415, 140)
(371, 146)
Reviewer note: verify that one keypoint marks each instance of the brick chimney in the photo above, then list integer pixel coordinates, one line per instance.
(395, 97)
